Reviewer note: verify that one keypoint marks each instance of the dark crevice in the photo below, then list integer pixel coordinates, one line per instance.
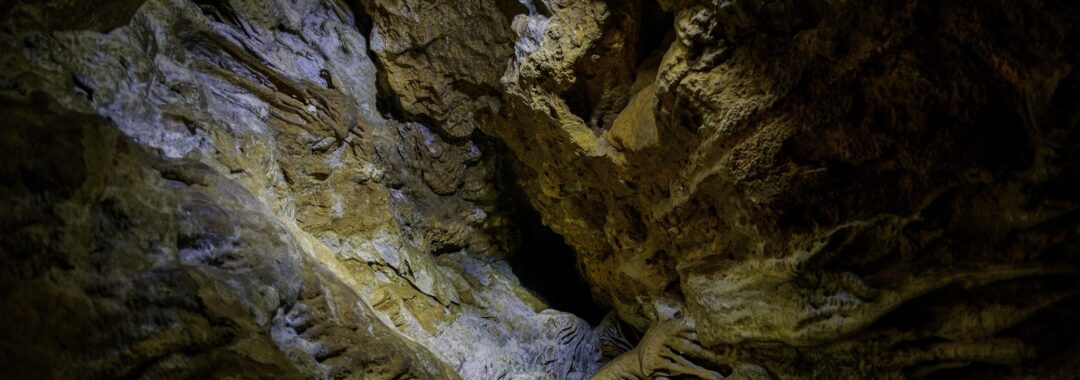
(546, 265)
(656, 27)
(81, 86)
(577, 100)
(542, 261)
(511, 8)
(386, 99)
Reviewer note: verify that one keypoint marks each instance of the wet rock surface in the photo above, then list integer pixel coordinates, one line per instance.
(336, 189)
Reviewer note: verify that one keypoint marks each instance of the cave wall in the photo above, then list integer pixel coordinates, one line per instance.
(758, 189)
(119, 263)
(233, 188)
(820, 189)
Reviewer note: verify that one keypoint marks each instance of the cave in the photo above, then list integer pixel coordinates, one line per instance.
(544, 256)
(539, 189)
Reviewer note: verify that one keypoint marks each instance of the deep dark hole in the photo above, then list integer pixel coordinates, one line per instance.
(546, 265)
(511, 8)
(577, 100)
(657, 26)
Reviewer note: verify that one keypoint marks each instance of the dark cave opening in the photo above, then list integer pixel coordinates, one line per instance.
(657, 31)
(545, 264)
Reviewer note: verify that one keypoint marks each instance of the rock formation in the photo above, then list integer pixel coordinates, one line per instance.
(337, 189)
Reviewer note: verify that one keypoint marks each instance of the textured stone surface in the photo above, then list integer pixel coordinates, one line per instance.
(758, 189)
(441, 60)
(332, 241)
(813, 189)
(119, 263)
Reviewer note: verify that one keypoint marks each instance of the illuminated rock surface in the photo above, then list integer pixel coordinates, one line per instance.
(353, 189)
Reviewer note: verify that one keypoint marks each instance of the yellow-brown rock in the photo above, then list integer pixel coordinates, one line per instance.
(367, 189)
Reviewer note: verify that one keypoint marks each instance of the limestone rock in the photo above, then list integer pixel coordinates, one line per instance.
(819, 189)
(119, 263)
(328, 236)
(328, 189)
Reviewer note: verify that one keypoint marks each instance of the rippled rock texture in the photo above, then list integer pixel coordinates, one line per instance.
(331, 189)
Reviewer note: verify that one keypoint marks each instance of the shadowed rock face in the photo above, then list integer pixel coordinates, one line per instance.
(756, 189)
(814, 189)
